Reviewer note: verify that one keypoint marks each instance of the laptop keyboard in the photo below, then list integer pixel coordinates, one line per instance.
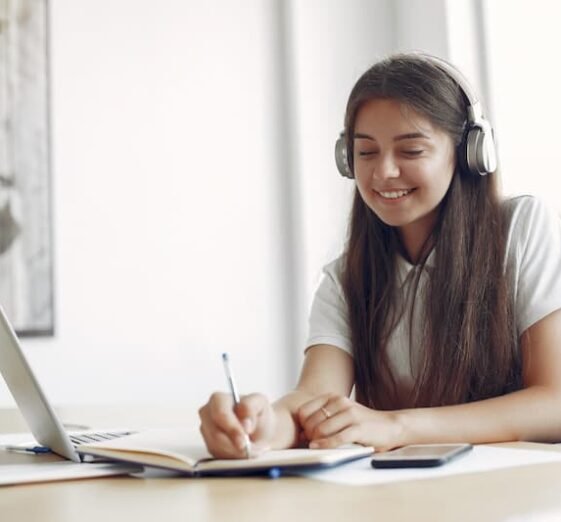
(88, 438)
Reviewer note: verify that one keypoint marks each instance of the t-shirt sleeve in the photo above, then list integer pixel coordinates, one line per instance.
(328, 321)
(536, 230)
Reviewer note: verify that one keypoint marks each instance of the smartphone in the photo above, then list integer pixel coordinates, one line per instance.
(420, 455)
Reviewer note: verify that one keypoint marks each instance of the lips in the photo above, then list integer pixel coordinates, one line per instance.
(394, 194)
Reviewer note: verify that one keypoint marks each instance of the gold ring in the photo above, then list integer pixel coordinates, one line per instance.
(325, 411)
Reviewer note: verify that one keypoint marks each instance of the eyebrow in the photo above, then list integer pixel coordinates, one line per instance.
(400, 137)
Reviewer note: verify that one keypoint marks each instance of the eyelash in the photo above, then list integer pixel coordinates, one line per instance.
(412, 153)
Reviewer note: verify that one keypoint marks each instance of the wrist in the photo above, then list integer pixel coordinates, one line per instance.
(281, 428)
(287, 431)
(403, 423)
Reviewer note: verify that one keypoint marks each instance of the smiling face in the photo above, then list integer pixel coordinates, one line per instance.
(403, 166)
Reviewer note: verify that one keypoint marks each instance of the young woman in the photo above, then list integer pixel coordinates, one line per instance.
(444, 311)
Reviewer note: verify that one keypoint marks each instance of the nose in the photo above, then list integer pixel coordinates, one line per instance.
(386, 167)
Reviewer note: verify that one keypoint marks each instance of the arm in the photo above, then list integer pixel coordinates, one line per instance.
(326, 369)
(533, 413)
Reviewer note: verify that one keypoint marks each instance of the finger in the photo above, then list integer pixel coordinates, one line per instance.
(212, 435)
(228, 444)
(250, 409)
(219, 443)
(313, 423)
(335, 416)
(222, 415)
(327, 427)
(316, 412)
(309, 408)
(347, 436)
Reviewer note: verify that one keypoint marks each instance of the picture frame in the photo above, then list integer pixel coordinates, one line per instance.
(26, 228)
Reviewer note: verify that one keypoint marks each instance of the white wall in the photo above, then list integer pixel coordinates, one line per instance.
(332, 44)
(422, 25)
(523, 58)
(165, 220)
(196, 196)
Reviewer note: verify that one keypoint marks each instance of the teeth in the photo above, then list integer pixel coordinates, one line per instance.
(395, 194)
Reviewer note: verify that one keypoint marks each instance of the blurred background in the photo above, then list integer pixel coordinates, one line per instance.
(195, 196)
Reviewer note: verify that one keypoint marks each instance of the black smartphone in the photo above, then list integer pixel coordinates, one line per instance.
(420, 455)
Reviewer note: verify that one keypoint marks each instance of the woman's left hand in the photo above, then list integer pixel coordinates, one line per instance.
(331, 420)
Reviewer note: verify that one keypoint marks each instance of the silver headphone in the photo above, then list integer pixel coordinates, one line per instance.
(477, 147)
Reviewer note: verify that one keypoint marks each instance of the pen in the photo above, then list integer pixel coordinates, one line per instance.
(274, 473)
(34, 449)
(235, 395)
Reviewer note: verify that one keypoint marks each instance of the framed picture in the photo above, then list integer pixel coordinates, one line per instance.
(26, 253)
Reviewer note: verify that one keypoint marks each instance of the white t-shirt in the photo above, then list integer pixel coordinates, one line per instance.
(533, 253)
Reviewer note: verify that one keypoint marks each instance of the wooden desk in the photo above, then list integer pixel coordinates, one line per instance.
(526, 493)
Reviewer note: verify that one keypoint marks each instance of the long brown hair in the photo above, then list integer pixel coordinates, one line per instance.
(469, 345)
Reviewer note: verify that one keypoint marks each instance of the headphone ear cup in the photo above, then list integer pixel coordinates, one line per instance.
(487, 151)
(462, 154)
(341, 157)
(480, 151)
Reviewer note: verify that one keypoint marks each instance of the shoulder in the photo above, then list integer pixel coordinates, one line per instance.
(333, 273)
(330, 282)
(533, 258)
(526, 210)
(335, 267)
(328, 321)
(529, 219)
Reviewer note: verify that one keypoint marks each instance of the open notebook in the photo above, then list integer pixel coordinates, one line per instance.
(168, 449)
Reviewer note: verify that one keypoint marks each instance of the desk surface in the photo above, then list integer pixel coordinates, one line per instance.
(532, 492)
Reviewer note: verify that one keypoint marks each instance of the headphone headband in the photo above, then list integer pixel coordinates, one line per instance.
(474, 110)
(477, 150)
(454, 73)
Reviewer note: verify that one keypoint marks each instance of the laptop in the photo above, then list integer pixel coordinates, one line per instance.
(32, 401)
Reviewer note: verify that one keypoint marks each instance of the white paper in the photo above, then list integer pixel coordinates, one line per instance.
(40, 471)
(11, 474)
(481, 458)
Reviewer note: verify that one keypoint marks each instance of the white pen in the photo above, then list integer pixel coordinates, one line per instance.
(235, 396)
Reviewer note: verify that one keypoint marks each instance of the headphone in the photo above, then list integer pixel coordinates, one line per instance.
(476, 151)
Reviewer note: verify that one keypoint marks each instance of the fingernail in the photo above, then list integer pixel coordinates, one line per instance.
(247, 425)
(313, 445)
(240, 442)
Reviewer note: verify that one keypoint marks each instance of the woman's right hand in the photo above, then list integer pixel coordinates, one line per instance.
(224, 427)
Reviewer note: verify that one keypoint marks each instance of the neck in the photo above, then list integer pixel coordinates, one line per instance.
(417, 241)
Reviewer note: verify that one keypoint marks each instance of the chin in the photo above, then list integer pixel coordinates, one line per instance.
(396, 223)
(393, 220)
